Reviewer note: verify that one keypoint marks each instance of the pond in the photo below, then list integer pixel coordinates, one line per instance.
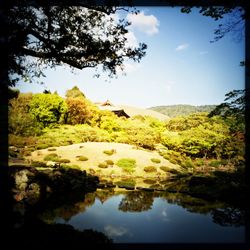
(151, 217)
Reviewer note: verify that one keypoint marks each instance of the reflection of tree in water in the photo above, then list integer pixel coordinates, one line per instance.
(104, 194)
(66, 211)
(229, 217)
(221, 213)
(136, 202)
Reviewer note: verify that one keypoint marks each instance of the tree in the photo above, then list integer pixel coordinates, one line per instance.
(48, 108)
(75, 92)
(20, 120)
(234, 25)
(79, 111)
(79, 36)
(233, 109)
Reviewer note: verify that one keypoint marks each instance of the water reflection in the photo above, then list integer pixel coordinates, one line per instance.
(136, 202)
(139, 216)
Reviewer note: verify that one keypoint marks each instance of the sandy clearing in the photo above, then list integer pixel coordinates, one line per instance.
(94, 152)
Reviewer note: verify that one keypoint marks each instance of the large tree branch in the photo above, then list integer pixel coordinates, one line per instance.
(60, 58)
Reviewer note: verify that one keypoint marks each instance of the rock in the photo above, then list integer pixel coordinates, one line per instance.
(52, 164)
(13, 148)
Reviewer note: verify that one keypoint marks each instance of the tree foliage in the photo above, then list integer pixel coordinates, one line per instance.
(79, 111)
(234, 15)
(48, 109)
(233, 109)
(20, 120)
(78, 36)
(75, 92)
(182, 109)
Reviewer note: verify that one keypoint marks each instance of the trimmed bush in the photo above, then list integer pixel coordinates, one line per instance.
(109, 152)
(155, 160)
(64, 160)
(42, 146)
(51, 149)
(109, 162)
(82, 158)
(150, 169)
(165, 168)
(51, 157)
(127, 164)
(102, 165)
(149, 181)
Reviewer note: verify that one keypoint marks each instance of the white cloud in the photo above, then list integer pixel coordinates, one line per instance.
(203, 52)
(131, 40)
(115, 231)
(182, 47)
(164, 215)
(147, 24)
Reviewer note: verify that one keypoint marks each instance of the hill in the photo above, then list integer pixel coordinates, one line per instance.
(133, 111)
(181, 109)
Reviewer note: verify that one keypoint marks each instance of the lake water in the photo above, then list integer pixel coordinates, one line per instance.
(152, 217)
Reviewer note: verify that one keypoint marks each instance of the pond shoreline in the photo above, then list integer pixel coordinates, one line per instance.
(30, 185)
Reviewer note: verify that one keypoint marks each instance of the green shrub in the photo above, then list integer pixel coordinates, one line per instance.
(82, 158)
(155, 160)
(109, 152)
(109, 162)
(150, 169)
(102, 165)
(127, 164)
(42, 146)
(149, 181)
(51, 157)
(164, 168)
(51, 149)
(64, 160)
(74, 166)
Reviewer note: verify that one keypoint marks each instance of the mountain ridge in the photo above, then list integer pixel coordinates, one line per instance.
(181, 109)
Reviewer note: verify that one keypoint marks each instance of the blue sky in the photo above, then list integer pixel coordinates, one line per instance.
(181, 65)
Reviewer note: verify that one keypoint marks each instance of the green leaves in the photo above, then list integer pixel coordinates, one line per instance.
(48, 108)
(80, 37)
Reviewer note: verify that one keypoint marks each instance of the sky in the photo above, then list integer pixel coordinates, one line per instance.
(181, 65)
